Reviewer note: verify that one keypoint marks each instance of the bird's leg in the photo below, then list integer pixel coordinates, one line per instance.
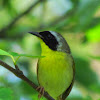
(41, 91)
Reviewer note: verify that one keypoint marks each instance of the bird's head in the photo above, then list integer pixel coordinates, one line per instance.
(53, 40)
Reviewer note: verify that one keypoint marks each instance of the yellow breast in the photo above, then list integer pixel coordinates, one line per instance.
(55, 72)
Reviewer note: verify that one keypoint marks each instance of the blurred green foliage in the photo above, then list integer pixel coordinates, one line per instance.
(8, 92)
(77, 20)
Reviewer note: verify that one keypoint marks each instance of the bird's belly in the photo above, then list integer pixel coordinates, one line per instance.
(55, 75)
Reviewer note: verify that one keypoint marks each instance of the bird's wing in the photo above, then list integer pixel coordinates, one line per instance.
(37, 71)
(66, 93)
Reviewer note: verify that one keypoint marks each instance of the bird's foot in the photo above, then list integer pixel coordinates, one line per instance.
(41, 91)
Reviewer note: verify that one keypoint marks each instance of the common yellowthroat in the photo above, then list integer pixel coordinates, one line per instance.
(56, 70)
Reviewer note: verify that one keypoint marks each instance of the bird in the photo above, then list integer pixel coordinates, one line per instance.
(55, 71)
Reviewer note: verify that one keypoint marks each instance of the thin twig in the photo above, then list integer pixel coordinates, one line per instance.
(20, 74)
(3, 30)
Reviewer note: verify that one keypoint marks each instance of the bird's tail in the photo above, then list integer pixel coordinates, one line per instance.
(59, 98)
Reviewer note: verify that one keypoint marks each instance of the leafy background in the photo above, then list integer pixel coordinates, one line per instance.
(77, 20)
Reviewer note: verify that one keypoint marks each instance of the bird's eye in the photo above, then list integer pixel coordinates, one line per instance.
(49, 36)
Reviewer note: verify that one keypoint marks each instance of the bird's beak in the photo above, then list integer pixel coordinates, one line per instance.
(36, 34)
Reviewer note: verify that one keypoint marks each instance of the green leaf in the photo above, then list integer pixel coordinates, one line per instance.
(2, 52)
(24, 55)
(93, 34)
(6, 94)
(14, 54)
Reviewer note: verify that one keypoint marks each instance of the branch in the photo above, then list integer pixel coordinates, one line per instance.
(2, 31)
(20, 74)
